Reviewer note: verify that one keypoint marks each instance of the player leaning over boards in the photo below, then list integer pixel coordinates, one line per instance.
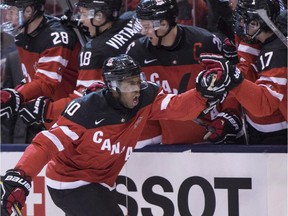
(49, 57)
(90, 143)
(264, 100)
(169, 55)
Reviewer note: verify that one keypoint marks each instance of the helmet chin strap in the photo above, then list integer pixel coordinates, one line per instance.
(161, 37)
(97, 27)
(36, 13)
(253, 36)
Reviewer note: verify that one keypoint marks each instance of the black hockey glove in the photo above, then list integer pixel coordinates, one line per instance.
(231, 74)
(211, 84)
(230, 51)
(15, 187)
(34, 111)
(96, 86)
(10, 102)
(226, 127)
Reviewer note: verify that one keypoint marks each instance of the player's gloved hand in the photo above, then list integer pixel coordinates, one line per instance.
(34, 111)
(96, 86)
(10, 102)
(15, 187)
(211, 84)
(230, 51)
(224, 129)
(231, 74)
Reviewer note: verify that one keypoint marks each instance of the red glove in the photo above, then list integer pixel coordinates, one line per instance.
(230, 51)
(10, 102)
(225, 128)
(96, 86)
(15, 187)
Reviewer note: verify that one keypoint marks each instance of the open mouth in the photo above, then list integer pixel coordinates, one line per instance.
(135, 100)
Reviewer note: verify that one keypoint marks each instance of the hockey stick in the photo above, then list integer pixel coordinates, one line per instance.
(263, 14)
(81, 36)
(16, 210)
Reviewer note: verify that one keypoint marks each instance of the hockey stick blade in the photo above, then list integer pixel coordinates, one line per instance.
(263, 14)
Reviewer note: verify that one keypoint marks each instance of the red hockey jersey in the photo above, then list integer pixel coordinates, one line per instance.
(96, 135)
(111, 42)
(49, 60)
(265, 100)
(175, 69)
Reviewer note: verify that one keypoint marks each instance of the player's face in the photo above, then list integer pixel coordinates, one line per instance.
(253, 27)
(27, 13)
(130, 92)
(12, 15)
(87, 16)
(154, 29)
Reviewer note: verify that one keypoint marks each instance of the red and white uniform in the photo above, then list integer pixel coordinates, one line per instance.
(175, 68)
(265, 101)
(111, 42)
(95, 136)
(49, 60)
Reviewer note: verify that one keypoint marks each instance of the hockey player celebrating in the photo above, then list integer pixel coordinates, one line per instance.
(169, 55)
(265, 101)
(48, 53)
(109, 36)
(90, 143)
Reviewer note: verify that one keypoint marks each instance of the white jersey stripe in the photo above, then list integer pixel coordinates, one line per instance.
(166, 101)
(153, 140)
(86, 83)
(65, 185)
(268, 127)
(248, 49)
(69, 133)
(280, 81)
(59, 59)
(71, 185)
(50, 74)
(273, 93)
(54, 139)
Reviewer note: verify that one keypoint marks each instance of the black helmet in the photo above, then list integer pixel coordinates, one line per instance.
(21, 5)
(119, 68)
(24, 3)
(110, 8)
(246, 11)
(158, 10)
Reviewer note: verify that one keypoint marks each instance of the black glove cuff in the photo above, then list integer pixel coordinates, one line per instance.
(18, 178)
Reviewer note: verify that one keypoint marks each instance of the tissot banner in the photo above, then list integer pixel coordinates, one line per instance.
(183, 184)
